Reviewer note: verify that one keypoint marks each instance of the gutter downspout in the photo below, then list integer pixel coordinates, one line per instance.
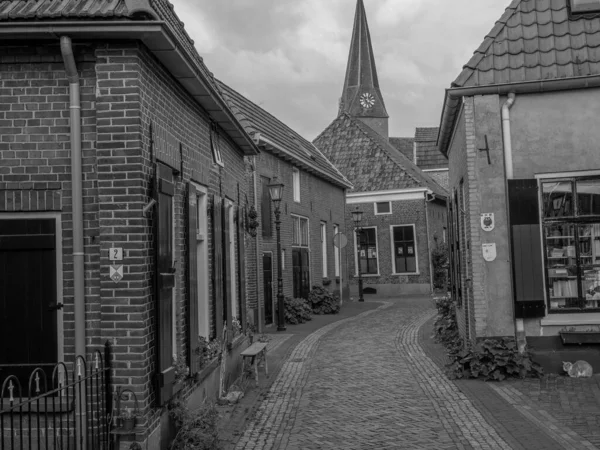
(66, 49)
(508, 167)
(258, 308)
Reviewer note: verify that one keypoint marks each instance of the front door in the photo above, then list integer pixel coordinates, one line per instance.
(268, 286)
(28, 297)
(301, 272)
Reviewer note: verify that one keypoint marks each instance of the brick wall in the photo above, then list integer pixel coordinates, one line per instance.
(404, 212)
(320, 201)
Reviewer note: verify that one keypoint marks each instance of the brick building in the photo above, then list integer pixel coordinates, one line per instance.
(312, 213)
(159, 186)
(525, 180)
(403, 207)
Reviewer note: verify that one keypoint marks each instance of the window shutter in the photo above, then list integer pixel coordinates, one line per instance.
(164, 282)
(527, 257)
(265, 209)
(226, 317)
(192, 279)
(241, 268)
(217, 265)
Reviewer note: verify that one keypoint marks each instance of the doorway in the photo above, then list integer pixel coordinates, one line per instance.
(268, 286)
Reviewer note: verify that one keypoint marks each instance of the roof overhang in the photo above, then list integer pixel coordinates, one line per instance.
(280, 152)
(157, 37)
(454, 96)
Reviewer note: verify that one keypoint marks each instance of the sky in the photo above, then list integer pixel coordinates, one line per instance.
(289, 56)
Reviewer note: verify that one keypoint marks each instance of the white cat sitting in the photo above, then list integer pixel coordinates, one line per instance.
(578, 369)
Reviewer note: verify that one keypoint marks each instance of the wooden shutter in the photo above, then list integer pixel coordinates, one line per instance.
(192, 279)
(165, 281)
(527, 258)
(241, 268)
(217, 225)
(227, 272)
(265, 209)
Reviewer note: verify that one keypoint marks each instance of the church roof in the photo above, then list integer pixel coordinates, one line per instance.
(368, 160)
(276, 137)
(404, 145)
(426, 134)
(361, 74)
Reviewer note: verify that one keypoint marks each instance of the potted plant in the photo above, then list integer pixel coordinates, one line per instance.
(128, 416)
(573, 336)
(251, 221)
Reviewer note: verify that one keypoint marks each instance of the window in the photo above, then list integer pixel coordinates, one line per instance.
(324, 247)
(336, 251)
(404, 248)
(584, 6)
(265, 209)
(202, 258)
(383, 208)
(296, 184)
(215, 145)
(232, 255)
(300, 231)
(571, 233)
(367, 251)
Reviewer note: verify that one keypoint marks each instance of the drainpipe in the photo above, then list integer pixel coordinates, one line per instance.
(508, 166)
(66, 49)
(258, 309)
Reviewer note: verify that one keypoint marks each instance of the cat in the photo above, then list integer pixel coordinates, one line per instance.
(578, 369)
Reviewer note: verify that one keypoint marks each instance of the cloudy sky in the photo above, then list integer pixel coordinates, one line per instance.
(289, 56)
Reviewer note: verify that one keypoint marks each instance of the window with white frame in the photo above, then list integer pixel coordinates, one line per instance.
(367, 251)
(215, 145)
(299, 231)
(232, 277)
(383, 208)
(404, 248)
(324, 247)
(296, 184)
(336, 251)
(203, 269)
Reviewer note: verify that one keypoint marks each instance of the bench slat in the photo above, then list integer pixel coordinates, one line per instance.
(254, 349)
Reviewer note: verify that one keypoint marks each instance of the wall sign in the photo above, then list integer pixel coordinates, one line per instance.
(487, 221)
(115, 254)
(116, 273)
(489, 251)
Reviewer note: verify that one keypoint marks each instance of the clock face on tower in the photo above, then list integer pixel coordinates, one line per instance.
(367, 100)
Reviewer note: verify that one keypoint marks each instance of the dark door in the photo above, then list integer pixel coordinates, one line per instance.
(301, 272)
(268, 286)
(28, 308)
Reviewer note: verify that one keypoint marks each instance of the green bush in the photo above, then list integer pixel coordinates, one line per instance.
(196, 429)
(445, 327)
(440, 263)
(323, 302)
(493, 359)
(296, 310)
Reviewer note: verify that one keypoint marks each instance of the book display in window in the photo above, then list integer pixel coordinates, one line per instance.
(561, 266)
(589, 245)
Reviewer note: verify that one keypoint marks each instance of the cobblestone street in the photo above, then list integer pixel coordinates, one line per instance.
(367, 382)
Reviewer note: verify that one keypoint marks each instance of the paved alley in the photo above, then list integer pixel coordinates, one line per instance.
(367, 382)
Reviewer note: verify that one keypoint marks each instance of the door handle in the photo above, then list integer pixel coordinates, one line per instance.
(55, 306)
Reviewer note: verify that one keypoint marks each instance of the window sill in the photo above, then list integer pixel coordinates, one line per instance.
(371, 275)
(592, 318)
(405, 274)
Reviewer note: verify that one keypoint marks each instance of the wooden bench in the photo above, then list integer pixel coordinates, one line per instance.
(256, 351)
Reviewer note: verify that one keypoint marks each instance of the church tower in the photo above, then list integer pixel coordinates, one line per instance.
(361, 97)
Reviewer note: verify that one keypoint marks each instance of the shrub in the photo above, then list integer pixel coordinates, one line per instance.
(445, 327)
(296, 310)
(493, 359)
(323, 302)
(440, 263)
(196, 429)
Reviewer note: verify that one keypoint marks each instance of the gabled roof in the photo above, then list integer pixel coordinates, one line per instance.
(361, 73)
(426, 134)
(536, 46)
(153, 22)
(276, 137)
(404, 145)
(368, 160)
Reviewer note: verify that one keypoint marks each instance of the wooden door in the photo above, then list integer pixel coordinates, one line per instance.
(268, 286)
(301, 272)
(28, 297)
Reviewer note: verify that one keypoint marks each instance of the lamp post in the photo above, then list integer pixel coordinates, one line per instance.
(357, 217)
(276, 193)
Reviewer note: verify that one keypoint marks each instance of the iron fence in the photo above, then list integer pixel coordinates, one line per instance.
(57, 407)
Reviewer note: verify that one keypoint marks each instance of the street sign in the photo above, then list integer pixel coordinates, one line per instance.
(116, 273)
(115, 254)
(340, 240)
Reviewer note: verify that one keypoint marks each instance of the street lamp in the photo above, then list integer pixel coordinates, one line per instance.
(357, 217)
(276, 193)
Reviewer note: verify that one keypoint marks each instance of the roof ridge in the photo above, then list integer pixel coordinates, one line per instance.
(394, 154)
(479, 53)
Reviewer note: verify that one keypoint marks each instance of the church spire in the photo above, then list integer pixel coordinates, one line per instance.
(362, 97)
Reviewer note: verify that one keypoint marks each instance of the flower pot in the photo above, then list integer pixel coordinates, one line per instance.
(128, 423)
(580, 337)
